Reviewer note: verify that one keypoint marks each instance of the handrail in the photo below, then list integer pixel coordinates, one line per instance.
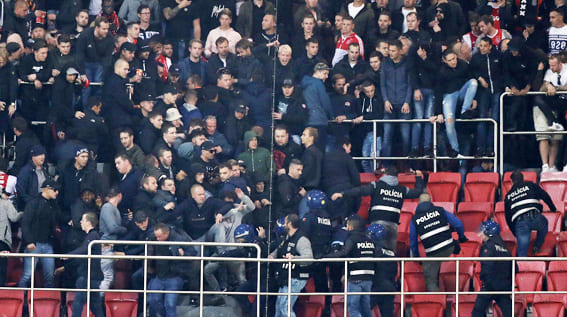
(258, 293)
(435, 158)
(502, 133)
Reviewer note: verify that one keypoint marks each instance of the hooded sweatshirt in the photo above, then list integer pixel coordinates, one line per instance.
(258, 160)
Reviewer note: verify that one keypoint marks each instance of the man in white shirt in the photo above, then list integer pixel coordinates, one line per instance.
(557, 39)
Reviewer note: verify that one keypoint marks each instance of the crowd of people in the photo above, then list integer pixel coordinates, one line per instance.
(231, 121)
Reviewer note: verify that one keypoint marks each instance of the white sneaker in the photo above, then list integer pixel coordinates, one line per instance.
(553, 169)
(556, 127)
(545, 168)
(565, 168)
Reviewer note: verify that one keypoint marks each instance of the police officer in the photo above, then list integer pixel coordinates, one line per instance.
(433, 225)
(387, 200)
(495, 275)
(360, 274)
(523, 212)
(295, 246)
(385, 277)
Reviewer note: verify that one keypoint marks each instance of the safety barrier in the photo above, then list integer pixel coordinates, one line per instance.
(435, 157)
(513, 292)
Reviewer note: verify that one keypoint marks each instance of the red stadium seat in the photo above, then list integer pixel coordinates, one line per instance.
(447, 275)
(409, 206)
(530, 277)
(549, 305)
(476, 277)
(405, 219)
(507, 182)
(510, 241)
(555, 184)
(481, 187)
(366, 178)
(309, 306)
(554, 227)
(559, 205)
(45, 303)
(121, 304)
(14, 271)
(376, 309)
(472, 214)
(520, 306)
(413, 279)
(337, 306)
(407, 180)
(428, 305)
(122, 274)
(11, 303)
(364, 206)
(444, 186)
(557, 276)
(449, 206)
(470, 248)
(466, 305)
(562, 244)
(69, 302)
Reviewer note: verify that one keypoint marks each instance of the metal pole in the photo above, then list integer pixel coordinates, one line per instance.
(374, 144)
(258, 299)
(513, 285)
(435, 146)
(89, 281)
(402, 288)
(32, 284)
(289, 288)
(201, 287)
(501, 129)
(495, 135)
(145, 294)
(457, 290)
(345, 290)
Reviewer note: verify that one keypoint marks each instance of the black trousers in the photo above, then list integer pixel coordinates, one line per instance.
(483, 300)
(3, 263)
(385, 304)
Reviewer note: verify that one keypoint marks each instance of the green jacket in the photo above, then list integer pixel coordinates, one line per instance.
(257, 161)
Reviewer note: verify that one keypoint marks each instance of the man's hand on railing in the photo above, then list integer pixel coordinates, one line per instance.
(340, 119)
(388, 106)
(406, 108)
(551, 90)
(438, 119)
(37, 84)
(358, 120)
(11, 109)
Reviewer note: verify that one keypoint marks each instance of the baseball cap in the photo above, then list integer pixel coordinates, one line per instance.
(81, 150)
(516, 44)
(72, 71)
(170, 89)
(288, 82)
(146, 97)
(172, 114)
(320, 67)
(174, 70)
(128, 46)
(12, 47)
(37, 150)
(207, 145)
(240, 108)
(48, 183)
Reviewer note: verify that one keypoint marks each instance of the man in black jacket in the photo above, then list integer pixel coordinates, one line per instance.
(36, 68)
(285, 149)
(25, 140)
(31, 176)
(312, 159)
(289, 190)
(352, 64)
(38, 231)
(74, 175)
(91, 129)
(223, 59)
(291, 109)
(17, 20)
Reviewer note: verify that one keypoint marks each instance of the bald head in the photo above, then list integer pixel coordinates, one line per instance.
(121, 68)
(424, 197)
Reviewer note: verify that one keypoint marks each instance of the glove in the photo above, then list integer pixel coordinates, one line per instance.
(463, 239)
(456, 247)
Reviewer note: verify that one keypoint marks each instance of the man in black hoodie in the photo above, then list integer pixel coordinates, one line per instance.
(370, 108)
(290, 191)
(291, 109)
(17, 21)
(285, 149)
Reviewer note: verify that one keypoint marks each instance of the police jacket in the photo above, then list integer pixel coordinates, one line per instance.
(523, 198)
(299, 246)
(495, 275)
(358, 245)
(387, 197)
(385, 277)
(317, 226)
(433, 225)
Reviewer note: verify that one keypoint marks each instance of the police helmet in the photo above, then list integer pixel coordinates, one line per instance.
(377, 232)
(280, 226)
(246, 232)
(490, 228)
(316, 199)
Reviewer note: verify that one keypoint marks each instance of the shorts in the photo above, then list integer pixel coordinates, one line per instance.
(540, 124)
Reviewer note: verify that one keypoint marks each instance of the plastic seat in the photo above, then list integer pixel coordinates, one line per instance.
(470, 248)
(409, 206)
(549, 305)
(407, 180)
(405, 220)
(555, 184)
(122, 274)
(554, 227)
(444, 186)
(562, 244)
(472, 214)
(121, 304)
(507, 182)
(308, 306)
(364, 206)
(366, 178)
(557, 276)
(14, 271)
(520, 306)
(397, 305)
(481, 187)
(466, 305)
(428, 305)
(45, 303)
(477, 283)
(337, 306)
(447, 205)
(447, 275)
(413, 279)
(11, 303)
(69, 303)
(530, 277)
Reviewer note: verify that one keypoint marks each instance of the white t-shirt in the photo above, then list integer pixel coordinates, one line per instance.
(557, 41)
(405, 13)
(353, 11)
(553, 78)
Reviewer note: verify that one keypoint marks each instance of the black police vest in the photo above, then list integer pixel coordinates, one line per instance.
(386, 203)
(523, 198)
(385, 278)
(433, 229)
(298, 270)
(321, 231)
(363, 248)
(496, 275)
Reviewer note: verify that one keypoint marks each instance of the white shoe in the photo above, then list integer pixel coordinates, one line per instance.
(553, 169)
(565, 168)
(556, 127)
(545, 168)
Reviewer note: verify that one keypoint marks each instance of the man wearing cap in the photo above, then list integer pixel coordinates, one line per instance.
(291, 109)
(38, 231)
(168, 100)
(31, 176)
(208, 160)
(146, 105)
(319, 107)
(173, 116)
(236, 125)
(148, 69)
(74, 175)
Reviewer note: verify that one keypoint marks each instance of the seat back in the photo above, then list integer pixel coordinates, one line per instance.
(364, 206)
(444, 186)
(549, 305)
(557, 276)
(45, 303)
(122, 274)
(11, 303)
(470, 248)
(507, 182)
(310, 306)
(562, 244)
(447, 275)
(447, 205)
(121, 304)
(337, 306)
(472, 214)
(413, 277)
(555, 184)
(428, 305)
(366, 178)
(530, 276)
(397, 305)
(405, 219)
(409, 206)
(466, 305)
(481, 187)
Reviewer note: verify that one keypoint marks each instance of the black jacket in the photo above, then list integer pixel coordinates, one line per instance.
(147, 136)
(288, 196)
(215, 63)
(91, 50)
(312, 164)
(27, 186)
(491, 68)
(96, 272)
(234, 130)
(343, 67)
(303, 65)
(197, 220)
(339, 172)
(283, 154)
(118, 109)
(245, 67)
(449, 81)
(143, 201)
(39, 221)
(14, 24)
(424, 73)
(72, 180)
(24, 144)
(520, 71)
(64, 99)
(495, 275)
(91, 130)
(294, 111)
(172, 268)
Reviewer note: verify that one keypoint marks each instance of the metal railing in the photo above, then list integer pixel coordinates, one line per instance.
(259, 261)
(435, 158)
(502, 133)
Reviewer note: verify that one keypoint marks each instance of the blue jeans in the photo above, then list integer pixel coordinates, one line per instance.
(466, 93)
(359, 305)
(423, 109)
(94, 72)
(281, 303)
(524, 229)
(389, 131)
(368, 148)
(47, 265)
(164, 304)
(489, 107)
(81, 299)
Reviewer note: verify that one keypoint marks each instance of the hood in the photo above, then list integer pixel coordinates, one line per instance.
(249, 135)
(390, 180)
(309, 81)
(423, 207)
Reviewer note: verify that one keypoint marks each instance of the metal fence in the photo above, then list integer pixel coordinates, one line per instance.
(258, 293)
